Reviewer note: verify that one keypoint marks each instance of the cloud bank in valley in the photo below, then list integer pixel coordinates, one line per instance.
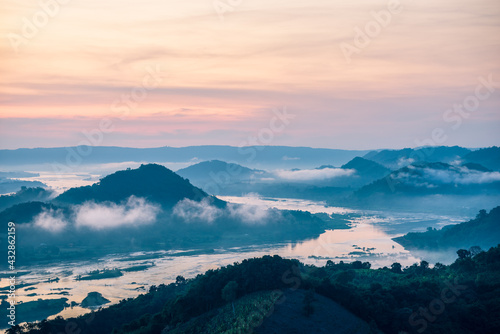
(51, 220)
(139, 212)
(459, 175)
(191, 211)
(313, 174)
(249, 214)
(99, 216)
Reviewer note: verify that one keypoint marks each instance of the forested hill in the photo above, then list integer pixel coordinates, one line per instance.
(483, 231)
(152, 181)
(260, 295)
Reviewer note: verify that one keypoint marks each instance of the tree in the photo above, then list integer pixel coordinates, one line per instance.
(346, 276)
(474, 250)
(357, 265)
(396, 268)
(463, 254)
(180, 280)
(439, 266)
(229, 293)
(482, 214)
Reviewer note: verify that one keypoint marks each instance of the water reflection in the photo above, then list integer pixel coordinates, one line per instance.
(369, 239)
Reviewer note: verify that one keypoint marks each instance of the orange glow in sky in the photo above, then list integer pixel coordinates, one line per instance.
(68, 64)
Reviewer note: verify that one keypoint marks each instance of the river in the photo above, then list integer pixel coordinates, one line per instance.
(368, 239)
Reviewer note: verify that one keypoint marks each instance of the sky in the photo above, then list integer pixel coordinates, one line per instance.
(345, 74)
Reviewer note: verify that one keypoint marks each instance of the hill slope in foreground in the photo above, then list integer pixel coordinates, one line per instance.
(275, 295)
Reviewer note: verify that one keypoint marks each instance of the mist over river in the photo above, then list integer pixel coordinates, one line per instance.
(368, 239)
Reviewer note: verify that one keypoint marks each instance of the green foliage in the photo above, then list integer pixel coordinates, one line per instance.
(396, 268)
(229, 292)
(180, 280)
(250, 310)
(463, 254)
(151, 181)
(483, 231)
(385, 298)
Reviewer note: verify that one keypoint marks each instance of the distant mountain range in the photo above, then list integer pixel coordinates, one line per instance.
(253, 156)
(427, 178)
(366, 171)
(215, 171)
(469, 180)
(431, 186)
(354, 174)
(395, 159)
(222, 178)
(360, 183)
(12, 185)
(435, 178)
(488, 157)
(260, 157)
(25, 195)
(367, 168)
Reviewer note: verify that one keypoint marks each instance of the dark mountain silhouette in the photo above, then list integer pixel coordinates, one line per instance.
(395, 159)
(488, 157)
(24, 212)
(483, 231)
(254, 156)
(25, 195)
(434, 178)
(430, 187)
(218, 171)
(222, 178)
(476, 166)
(153, 182)
(365, 172)
(12, 185)
(367, 168)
